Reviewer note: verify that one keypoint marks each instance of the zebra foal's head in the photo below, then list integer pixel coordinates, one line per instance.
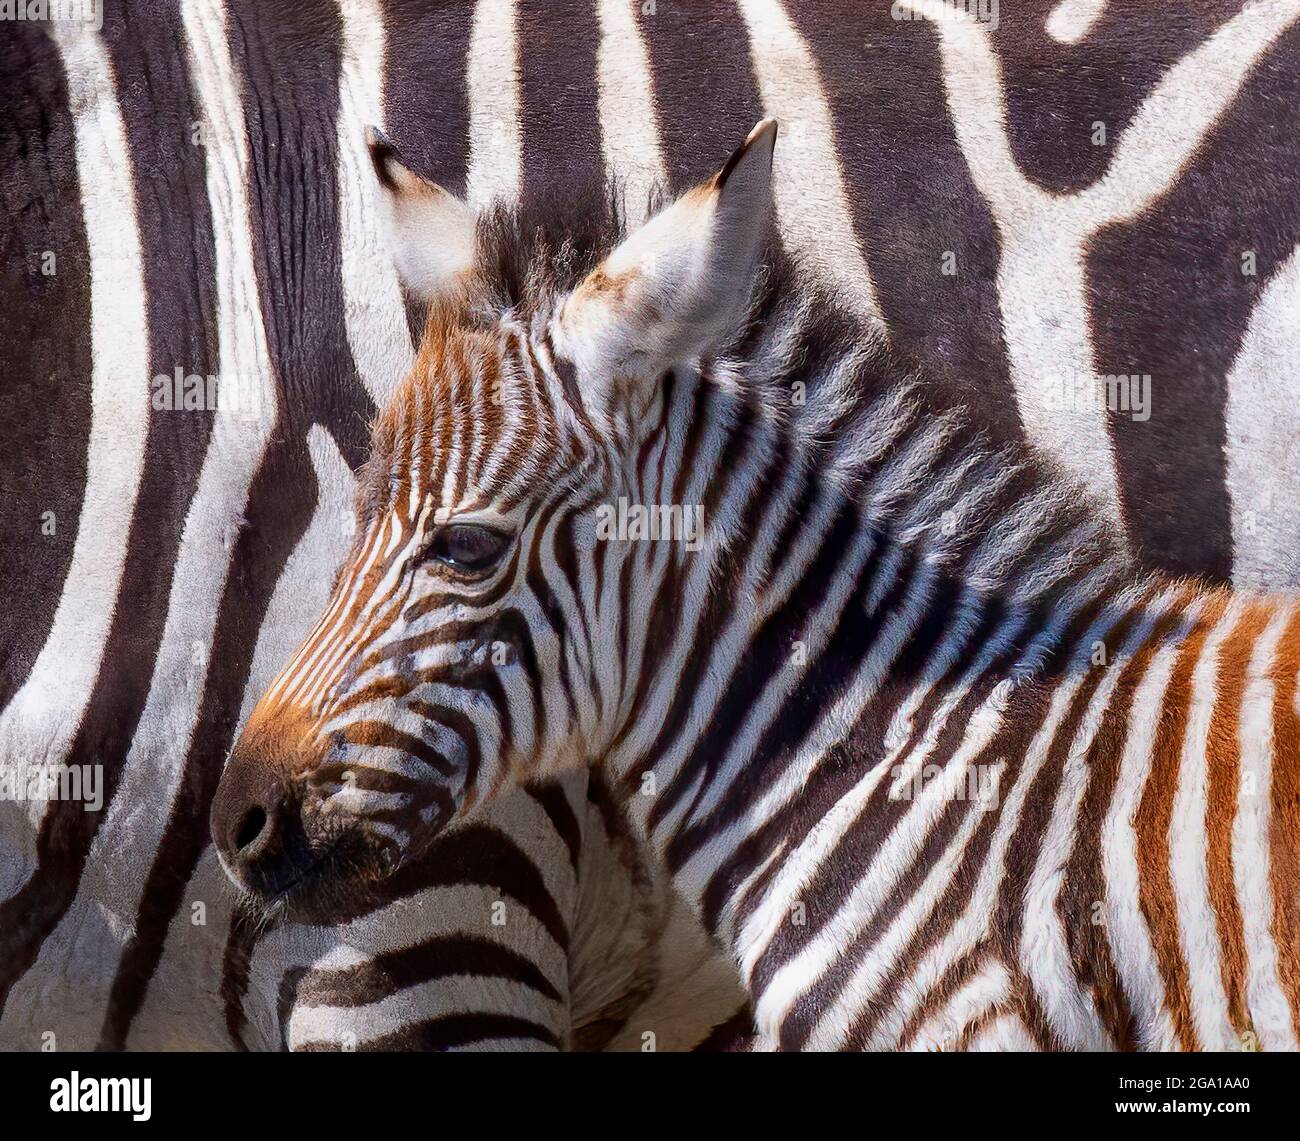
(477, 631)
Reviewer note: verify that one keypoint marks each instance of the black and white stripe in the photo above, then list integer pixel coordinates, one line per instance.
(187, 558)
(922, 744)
(204, 544)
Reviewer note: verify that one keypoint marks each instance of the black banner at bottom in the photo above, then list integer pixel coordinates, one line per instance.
(619, 1093)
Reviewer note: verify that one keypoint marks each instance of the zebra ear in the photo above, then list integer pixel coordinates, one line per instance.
(681, 283)
(429, 230)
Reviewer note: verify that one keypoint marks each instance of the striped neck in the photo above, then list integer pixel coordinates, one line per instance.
(868, 550)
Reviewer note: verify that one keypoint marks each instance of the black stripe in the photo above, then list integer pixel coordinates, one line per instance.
(1055, 92)
(719, 610)
(842, 867)
(277, 48)
(559, 811)
(732, 1035)
(854, 638)
(146, 42)
(438, 958)
(176, 238)
(477, 854)
(862, 748)
(463, 726)
(557, 103)
(452, 1032)
(426, 97)
(768, 652)
(280, 504)
(704, 87)
(286, 999)
(1169, 299)
(45, 347)
(913, 200)
(241, 939)
(1023, 720)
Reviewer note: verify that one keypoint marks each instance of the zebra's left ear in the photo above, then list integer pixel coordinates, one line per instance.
(681, 283)
(429, 230)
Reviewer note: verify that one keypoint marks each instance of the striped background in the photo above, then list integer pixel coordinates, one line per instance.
(191, 550)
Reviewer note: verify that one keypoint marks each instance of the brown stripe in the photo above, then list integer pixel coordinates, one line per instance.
(379, 734)
(1032, 1016)
(1284, 824)
(1027, 712)
(960, 971)
(978, 1025)
(1085, 881)
(1155, 882)
(1223, 763)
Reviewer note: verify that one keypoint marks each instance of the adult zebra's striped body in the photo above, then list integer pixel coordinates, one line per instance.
(101, 632)
(927, 752)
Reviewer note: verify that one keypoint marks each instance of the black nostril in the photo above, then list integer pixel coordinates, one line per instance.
(250, 827)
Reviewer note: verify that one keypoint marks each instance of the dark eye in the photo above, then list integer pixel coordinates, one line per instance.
(468, 547)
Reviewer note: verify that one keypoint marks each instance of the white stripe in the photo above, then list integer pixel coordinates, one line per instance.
(1008, 1034)
(182, 1008)
(803, 970)
(629, 122)
(1198, 930)
(877, 887)
(302, 590)
(153, 767)
(973, 924)
(1045, 955)
(812, 202)
(308, 663)
(787, 680)
(1262, 425)
(442, 997)
(985, 990)
(864, 988)
(1270, 1013)
(1071, 20)
(372, 299)
(38, 725)
(1046, 331)
(1045, 235)
(495, 139)
(833, 727)
(1125, 925)
(1169, 127)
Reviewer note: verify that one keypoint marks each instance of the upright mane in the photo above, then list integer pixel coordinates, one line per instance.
(808, 356)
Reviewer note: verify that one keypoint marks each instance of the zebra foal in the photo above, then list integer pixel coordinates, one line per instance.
(933, 760)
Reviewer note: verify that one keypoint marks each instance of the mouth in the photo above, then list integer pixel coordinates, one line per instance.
(329, 885)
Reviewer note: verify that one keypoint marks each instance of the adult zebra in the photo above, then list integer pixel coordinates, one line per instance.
(927, 752)
(645, 90)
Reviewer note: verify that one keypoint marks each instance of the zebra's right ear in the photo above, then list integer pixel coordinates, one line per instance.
(429, 230)
(680, 285)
